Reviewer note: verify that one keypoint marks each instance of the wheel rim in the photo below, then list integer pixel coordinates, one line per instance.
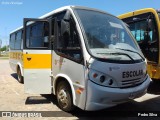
(62, 98)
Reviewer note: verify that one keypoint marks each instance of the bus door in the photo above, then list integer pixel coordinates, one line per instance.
(37, 56)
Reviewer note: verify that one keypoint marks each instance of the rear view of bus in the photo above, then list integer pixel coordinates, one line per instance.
(145, 26)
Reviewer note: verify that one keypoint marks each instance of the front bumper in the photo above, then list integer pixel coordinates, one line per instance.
(99, 97)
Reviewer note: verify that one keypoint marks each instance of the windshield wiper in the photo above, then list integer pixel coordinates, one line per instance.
(131, 51)
(118, 53)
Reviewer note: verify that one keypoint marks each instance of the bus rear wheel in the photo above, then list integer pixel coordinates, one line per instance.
(20, 77)
(64, 96)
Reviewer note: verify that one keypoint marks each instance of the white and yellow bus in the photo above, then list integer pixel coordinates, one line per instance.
(86, 57)
(145, 26)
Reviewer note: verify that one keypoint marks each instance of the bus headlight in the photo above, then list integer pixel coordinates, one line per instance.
(102, 79)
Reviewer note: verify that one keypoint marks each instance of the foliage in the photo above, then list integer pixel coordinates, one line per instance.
(4, 48)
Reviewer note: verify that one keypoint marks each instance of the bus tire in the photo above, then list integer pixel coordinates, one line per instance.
(64, 96)
(19, 74)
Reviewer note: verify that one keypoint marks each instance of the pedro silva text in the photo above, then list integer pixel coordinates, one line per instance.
(147, 114)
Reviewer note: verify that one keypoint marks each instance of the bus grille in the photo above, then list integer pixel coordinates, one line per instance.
(132, 83)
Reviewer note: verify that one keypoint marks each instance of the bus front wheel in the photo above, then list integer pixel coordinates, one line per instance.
(64, 96)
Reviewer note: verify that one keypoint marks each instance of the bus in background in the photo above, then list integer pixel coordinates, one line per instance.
(145, 27)
(89, 64)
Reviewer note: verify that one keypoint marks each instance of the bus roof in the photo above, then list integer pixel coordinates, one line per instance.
(58, 10)
(136, 12)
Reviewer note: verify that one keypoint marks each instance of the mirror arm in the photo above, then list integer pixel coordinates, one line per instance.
(52, 38)
(66, 20)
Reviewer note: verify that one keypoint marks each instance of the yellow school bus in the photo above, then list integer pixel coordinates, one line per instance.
(145, 27)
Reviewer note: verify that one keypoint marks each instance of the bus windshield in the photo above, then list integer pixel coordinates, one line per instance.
(107, 37)
(145, 30)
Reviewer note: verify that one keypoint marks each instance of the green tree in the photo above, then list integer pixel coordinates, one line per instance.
(4, 48)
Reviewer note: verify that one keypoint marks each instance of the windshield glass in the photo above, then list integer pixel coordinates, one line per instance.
(107, 37)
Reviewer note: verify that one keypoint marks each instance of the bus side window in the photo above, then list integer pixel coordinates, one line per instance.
(18, 40)
(12, 41)
(21, 41)
(37, 35)
(28, 36)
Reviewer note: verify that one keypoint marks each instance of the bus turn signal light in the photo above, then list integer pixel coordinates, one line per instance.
(95, 75)
(79, 90)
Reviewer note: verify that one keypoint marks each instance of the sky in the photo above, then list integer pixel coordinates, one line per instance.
(12, 12)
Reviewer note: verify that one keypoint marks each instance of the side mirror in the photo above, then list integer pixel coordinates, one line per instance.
(65, 29)
(65, 33)
(150, 24)
(67, 16)
(65, 23)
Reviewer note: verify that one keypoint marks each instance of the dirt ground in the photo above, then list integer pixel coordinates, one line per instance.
(13, 99)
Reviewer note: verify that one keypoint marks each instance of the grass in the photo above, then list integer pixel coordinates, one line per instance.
(4, 58)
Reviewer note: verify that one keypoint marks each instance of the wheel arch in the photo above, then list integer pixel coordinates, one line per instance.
(61, 77)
